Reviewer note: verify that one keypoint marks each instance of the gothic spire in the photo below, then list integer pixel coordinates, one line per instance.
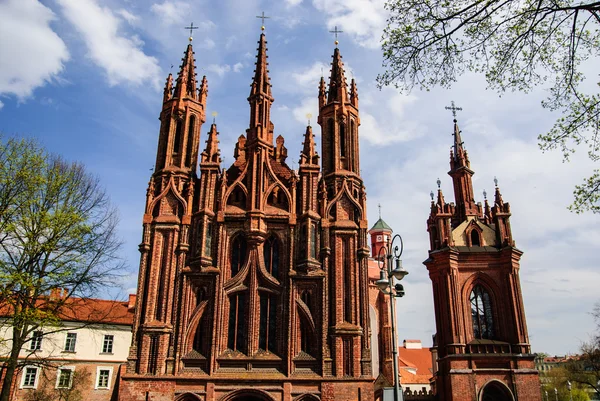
(212, 153)
(261, 83)
(337, 82)
(353, 93)
(260, 98)
(168, 92)
(203, 90)
(309, 152)
(459, 157)
(322, 93)
(186, 80)
(461, 173)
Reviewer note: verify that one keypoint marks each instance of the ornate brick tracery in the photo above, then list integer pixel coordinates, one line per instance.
(253, 275)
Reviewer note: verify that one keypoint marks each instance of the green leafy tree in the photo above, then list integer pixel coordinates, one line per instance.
(517, 45)
(58, 245)
(585, 369)
(554, 383)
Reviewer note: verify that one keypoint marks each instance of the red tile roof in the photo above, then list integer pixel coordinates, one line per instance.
(415, 365)
(88, 310)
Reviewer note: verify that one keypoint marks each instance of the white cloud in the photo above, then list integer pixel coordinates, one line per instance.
(127, 16)
(308, 105)
(363, 19)
(207, 44)
(292, 3)
(34, 56)
(219, 69)
(1, 105)
(119, 55)
(171, 12)
(237, 67)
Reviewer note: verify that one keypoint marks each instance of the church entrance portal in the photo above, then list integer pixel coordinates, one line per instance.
(496, 391)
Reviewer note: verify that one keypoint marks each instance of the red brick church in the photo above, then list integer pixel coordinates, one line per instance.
(254, 277)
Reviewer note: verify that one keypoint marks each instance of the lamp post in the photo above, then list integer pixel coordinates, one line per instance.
(569, 388)
(556, 393)
(388, 286)
(547, 399)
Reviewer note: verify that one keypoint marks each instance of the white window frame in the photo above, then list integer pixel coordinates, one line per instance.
(35, 380)
(67, 342)
(33, 346)
(58, 372)
(112, 344)
(110, 373)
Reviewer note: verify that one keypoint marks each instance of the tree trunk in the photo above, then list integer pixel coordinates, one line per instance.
(11, 365)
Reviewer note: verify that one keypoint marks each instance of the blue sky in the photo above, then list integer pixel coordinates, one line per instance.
(85, 77)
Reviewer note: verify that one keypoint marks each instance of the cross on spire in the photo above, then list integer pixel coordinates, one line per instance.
(379, 206)
(191, 28)
(335, 32)
(262, 17)
(454, 109)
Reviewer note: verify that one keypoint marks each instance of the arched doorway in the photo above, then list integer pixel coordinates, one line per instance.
(247, 395)
(496, 391)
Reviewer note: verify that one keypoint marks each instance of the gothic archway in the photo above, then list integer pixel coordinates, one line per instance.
(496, 391)
(247, 395)
(188, 397)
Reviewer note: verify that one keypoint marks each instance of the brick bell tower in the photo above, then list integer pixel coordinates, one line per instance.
(483, 347)
(253, 278)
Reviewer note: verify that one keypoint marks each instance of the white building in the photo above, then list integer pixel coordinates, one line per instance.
(79, 355)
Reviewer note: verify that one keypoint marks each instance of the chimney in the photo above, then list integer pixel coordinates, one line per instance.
(131, 303)
(413, 344)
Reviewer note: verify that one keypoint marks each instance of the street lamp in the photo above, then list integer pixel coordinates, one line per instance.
(569, 388)
(556, 393)
(388, 286)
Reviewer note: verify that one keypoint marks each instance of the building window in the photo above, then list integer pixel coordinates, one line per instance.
(237, 339)
(103, 378)
(30, 377)
(268, 323)
(153, 355)
(190, 146)
(481, 312)
(475, 238)
(107, 345)
(64, 378)
(177, 139)
(271, 254)
(36, 341)
(70, 342)
(313, 240)
(208, 242)
(238, 253)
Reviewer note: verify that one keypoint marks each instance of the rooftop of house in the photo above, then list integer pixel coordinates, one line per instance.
(86, 310)
(415, 363)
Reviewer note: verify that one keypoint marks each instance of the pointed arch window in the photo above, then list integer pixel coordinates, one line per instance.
(331, 129)
(271, 255)
(208, 241)
(313, 240)
(177, 139)
(190, 145)
(238, 254)
(268, 323)
(342, 139)
(475, 240)
(481, 313)
(237, 339)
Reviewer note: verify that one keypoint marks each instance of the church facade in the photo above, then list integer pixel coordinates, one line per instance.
(483, 351)
(257, 281)
(253, 280)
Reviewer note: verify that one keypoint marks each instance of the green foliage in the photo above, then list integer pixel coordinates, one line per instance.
(554, 383)
(585, 370)
(57, 241)
(517, 45)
